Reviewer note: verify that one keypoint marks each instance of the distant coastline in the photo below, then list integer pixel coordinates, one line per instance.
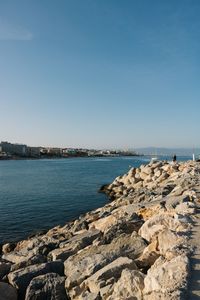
(21, 151)
(15, 151)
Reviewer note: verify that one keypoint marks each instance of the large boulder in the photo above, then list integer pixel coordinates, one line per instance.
(59, 233)
(167, 276)
(64, 252)
(148, 170)
(147, 212)
(4, 269)
(149, 255)
(171, 202)
(122, 227)
(85, 238)
(22, 277)
(28, 244)
(104, 224)
(126, 212)
(79, 267)
(138, 185)
(178, 190)
(32, 249)
(143, 175)
(50, 286)
(74, 244)
(158, 223)
(168, 240)
(18, 257)
(7, 292)
(110, 272)
(81, 224)
(186, 208)
(129, 286)
(7, 248)
(40, 244)
(37, 259)
(163, 177)
(82, 265)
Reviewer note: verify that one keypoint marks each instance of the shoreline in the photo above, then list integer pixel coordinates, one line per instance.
(143, 230)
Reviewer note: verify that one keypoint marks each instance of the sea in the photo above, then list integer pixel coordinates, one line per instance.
(36, 195)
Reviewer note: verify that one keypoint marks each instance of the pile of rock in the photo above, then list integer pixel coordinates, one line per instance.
(135, 247)
(152, 177)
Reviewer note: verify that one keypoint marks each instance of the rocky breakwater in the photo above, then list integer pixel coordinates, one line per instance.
(135, 247)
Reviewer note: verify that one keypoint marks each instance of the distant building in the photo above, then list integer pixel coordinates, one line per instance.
(48, 151)
(34, 151)
(69, 151)
(14, 149)
(74, 152)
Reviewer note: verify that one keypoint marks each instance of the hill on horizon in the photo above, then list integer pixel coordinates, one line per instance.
(168, 151)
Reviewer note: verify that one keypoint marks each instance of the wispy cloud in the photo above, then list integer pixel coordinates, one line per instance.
(9, 31)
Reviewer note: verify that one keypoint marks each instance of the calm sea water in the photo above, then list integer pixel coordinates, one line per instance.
(39, 194)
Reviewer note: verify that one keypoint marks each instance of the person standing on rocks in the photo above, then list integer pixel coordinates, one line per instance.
(174, 158)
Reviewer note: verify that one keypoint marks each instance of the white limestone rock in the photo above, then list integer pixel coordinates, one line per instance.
(82, 265)
(73, 245)
(158, 223)
(167, 276)
(167, 240)
(21, 278)
(104, 224)
(112, 270)
(129, 286)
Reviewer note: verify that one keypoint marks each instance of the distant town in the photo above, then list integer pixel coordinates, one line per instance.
(21, 151)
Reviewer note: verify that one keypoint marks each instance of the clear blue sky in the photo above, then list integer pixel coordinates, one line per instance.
(100, 73)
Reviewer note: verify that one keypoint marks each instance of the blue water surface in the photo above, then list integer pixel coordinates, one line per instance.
(39, 194)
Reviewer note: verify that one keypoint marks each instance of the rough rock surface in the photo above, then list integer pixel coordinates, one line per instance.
(74, 244)
(7, 292)
(22, 277)
(49, 286)
(166, 276)
(108, 274)
(129, 286)
(4, 269)
(158, 223)
(84, 264)
(135, 247)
